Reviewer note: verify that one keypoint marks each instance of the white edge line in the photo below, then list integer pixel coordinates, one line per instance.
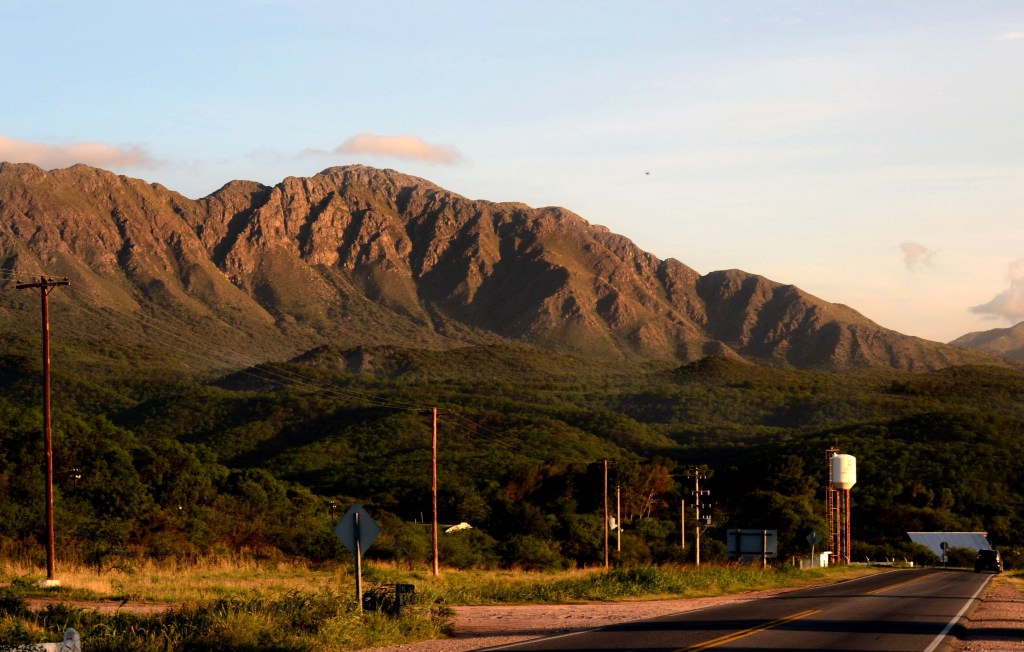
(949, 626)
(509, 646)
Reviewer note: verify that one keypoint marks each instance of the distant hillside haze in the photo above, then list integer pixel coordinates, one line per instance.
(1005, 342)
(357, 256)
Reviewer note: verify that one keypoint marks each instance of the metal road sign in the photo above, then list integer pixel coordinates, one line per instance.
(358, 532)
(347, 527)
(813, 538)
(751, 544)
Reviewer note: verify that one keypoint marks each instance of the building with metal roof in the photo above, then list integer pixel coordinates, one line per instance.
(934, 540)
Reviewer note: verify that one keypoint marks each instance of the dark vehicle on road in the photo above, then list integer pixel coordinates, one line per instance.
(988, 560)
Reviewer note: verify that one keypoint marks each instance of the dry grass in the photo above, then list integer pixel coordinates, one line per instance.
(1014, 579)
(241, 575)
(169, 582)
(479, 587)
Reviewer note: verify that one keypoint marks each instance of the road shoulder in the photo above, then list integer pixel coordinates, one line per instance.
(997, 624)
(478, 627)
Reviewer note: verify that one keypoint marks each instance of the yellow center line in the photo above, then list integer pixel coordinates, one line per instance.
(893, 586)
(743, 633)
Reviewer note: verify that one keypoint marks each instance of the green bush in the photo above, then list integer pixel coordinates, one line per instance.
(530, 552)
(466, 549)
(1013, 557)
(960, 557)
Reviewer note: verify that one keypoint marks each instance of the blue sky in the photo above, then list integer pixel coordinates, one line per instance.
(871, 153)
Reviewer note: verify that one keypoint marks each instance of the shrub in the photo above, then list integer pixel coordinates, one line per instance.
(468, 549)
(530, 552)
(960, 557)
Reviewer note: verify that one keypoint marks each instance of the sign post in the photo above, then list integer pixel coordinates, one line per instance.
(749, 545)
(814, 539)
(357, 530)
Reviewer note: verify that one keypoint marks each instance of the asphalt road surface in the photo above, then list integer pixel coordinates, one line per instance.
(898, 611)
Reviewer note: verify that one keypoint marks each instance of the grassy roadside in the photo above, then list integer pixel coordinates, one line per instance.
(637, 583)
(239, 604)
(1015, 579)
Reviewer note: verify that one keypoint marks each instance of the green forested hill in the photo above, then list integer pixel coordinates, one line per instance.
(268, 458)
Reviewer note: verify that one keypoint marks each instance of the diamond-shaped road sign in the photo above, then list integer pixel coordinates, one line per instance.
(347, 527)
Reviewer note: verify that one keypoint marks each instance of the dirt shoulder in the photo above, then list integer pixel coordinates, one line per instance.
(997, 625)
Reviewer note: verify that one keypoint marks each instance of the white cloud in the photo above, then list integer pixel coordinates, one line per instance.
(56, 156)
(1008, 304)
(915, 255)
(1010, 36)
(404, 147)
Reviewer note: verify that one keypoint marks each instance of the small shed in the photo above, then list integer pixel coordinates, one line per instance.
(934, 540)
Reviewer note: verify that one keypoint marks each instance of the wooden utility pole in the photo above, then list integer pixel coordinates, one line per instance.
(606, 513)
(433, 528)
(618, 518)
(696, 508)
(698, 493)
(682, 524)
(44, 286)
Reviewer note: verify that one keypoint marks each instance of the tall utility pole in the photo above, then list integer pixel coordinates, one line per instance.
(433, 527)
(697, 494)
(44, 286)
(606, 514)
(682, 524)
(618, 518)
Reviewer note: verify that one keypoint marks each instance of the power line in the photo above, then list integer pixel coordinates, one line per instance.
(186, 346)
(189, 347)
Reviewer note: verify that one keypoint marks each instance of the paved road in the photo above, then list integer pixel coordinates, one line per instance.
(899, 611)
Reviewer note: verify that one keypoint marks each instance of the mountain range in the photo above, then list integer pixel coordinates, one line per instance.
(357, 256)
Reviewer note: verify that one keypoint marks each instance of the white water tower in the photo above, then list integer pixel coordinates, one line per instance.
(844, 471)
(842, 475)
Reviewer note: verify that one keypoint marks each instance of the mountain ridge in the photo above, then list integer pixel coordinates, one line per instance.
(1004, 342)
(356, 256)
